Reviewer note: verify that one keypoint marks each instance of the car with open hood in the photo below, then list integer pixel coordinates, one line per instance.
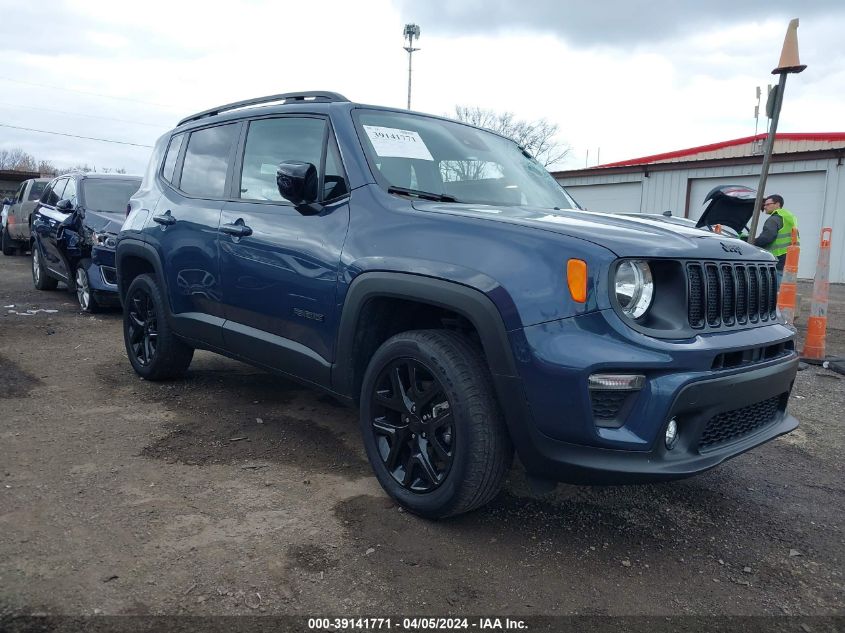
(74, 229)
(435, 276)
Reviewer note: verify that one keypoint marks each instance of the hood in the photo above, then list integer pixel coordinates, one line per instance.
(731, 205)
(104, 222)
(626, 236)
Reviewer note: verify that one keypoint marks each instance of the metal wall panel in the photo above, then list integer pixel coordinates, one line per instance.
(813, 189)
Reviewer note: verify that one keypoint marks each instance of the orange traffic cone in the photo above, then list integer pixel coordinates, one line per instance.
(788, 292)
(817, 322)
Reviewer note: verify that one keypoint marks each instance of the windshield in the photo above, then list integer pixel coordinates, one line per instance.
(111, 196)
(454, 162)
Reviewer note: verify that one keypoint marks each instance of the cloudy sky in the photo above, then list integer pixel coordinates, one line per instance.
(629, 78)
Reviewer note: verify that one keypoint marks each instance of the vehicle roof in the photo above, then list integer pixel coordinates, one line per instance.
(81, 175)
(202, 119)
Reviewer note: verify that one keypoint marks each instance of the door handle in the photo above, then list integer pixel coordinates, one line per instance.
(238, 229)
(165, 219)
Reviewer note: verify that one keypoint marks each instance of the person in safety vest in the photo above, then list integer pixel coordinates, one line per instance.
(777, 231)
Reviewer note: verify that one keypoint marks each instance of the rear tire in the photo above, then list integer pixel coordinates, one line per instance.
(7, 244)
(154, 351)
(431, 425)
(41, 279)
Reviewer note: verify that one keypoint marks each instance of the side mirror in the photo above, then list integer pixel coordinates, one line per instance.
(297, 182)
(65, 206)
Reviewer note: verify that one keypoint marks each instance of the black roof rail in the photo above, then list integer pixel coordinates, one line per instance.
(314, 95)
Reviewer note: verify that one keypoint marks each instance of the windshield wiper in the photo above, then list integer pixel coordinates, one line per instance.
(425, 195)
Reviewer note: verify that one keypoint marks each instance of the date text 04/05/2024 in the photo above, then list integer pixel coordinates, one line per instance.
(416, 624)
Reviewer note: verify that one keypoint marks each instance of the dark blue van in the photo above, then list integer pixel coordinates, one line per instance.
(434, 275)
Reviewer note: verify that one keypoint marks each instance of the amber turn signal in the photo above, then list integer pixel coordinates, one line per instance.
(576, 277)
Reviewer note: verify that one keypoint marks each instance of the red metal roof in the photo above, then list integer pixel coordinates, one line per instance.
(816, 136)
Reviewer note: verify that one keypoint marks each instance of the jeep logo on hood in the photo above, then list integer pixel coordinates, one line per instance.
(731, 249)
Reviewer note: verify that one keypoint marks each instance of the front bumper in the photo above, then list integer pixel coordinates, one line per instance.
(697, 405)
(720, 413)
(102, 275)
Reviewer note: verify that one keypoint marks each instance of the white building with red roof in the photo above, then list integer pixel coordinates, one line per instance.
(806, 169)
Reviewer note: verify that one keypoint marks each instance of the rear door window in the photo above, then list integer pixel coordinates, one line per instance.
(36, 190)
(172, 155)
(207, 161)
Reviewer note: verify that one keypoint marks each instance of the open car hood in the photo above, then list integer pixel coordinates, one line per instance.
(730, 205)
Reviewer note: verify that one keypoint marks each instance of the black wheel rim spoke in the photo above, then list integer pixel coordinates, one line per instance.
(386, 399)
(408, 475)
(437, 445)
(425, 398)
(141, 327)
(427, 468)
(444, 419)
(412, 425)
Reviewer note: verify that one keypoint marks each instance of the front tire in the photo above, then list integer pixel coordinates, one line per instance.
(84, 294)
(154, 351)
(432, 428)
(40, 277)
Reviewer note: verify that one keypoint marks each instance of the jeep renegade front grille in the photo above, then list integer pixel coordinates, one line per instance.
(732, 425)
(727, 295)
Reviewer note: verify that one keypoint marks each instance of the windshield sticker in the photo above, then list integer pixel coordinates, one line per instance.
(395, 143)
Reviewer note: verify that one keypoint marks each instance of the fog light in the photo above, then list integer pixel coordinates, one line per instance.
(671, 434)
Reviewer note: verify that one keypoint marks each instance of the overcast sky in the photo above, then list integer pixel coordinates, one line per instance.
(631, 78)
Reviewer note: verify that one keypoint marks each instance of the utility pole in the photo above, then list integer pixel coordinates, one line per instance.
(411, 31)
(789, 63)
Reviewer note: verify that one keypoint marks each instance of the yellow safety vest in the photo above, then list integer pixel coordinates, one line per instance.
(784, 236)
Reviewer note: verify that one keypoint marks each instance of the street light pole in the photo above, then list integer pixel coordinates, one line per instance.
(411, 31)
(789, 63)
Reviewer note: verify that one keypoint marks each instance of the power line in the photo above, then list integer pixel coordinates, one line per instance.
(88, 116)
(90, 138)
(85, 92)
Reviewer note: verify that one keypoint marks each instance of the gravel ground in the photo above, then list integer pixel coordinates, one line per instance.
(236, 492)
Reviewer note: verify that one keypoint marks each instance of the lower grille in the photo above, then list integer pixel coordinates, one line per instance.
(732, 425)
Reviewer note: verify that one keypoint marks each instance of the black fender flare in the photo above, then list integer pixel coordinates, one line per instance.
(469, 302)
(128, 247)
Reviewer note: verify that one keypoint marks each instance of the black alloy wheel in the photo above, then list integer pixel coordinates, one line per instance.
(413, 425)
(142, 331)
(431, 425)
(154, 350)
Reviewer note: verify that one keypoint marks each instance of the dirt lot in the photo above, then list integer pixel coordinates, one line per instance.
(237, 492)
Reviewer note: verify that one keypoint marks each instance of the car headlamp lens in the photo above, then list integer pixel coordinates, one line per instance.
(634, 287)
(103, 239)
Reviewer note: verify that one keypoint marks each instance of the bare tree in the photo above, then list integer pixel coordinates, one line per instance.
(47, 168)
(17, 160)
(537, 137)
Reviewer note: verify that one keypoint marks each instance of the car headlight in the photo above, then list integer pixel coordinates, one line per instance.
(634, 287)
(104, 239)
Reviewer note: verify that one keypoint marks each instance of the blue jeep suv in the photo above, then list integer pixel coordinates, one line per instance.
(434, 275)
